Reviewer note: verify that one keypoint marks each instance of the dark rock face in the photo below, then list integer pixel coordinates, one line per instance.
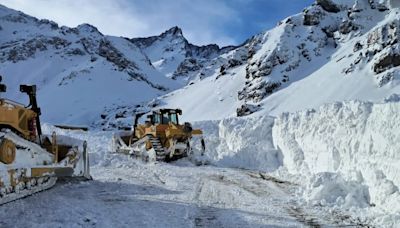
(375, 4)
(382, 47)
(257, 90)
(357, 47)
(188, 65)
(52, 24)
(388, 61)
(76, 51)
(347, 26)
(23, 49)
(246, 109)
(234, 63)
(328, 6)
(311, 19)
(108, 51)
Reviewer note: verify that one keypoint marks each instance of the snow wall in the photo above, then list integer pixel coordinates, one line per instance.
(358, 140)
(241, 143)
(347, 153)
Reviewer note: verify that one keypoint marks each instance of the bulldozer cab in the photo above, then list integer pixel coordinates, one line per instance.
(158, 121)
(165, 116)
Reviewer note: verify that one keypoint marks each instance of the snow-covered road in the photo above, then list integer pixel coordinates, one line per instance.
(134, 194)
(126, 192)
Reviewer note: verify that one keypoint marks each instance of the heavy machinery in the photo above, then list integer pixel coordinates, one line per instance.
(30, 161)
(160, 138)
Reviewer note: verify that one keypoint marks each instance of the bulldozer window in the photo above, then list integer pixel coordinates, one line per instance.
(165, 118)
(157, 119)
(174, 118)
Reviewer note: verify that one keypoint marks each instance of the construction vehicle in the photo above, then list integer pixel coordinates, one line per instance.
(30, 161)
(160, 138)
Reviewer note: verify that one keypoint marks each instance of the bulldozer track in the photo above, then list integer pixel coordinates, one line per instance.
(158, 148)
(26, 185)
(30, 187)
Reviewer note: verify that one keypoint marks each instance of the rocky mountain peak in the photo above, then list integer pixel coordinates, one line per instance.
(174, 56)
(87, 28)
(170, 34)
(174, 31)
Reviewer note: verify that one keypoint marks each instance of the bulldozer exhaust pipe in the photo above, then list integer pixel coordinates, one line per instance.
(3, 88)
(86, 165)
(31, 91)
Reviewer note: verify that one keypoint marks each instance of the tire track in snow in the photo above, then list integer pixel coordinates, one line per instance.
(204, 216)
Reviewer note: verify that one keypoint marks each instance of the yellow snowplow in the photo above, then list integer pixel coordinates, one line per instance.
(160, 138)
(29, 161)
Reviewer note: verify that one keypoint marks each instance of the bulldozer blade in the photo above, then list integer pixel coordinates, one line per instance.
(63, 171)
(74, 128)
(69, 171)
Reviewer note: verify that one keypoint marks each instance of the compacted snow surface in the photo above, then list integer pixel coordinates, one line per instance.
(132, 194)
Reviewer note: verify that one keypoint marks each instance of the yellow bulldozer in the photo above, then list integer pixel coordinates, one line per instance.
(160, 138)
(29, 161)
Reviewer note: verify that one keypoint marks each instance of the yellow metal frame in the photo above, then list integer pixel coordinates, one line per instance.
(17, 117)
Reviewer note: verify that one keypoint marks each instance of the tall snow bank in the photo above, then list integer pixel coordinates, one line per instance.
(241, 143)
(350, 150)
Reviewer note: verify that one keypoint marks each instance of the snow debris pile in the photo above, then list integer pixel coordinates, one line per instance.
(331, 189)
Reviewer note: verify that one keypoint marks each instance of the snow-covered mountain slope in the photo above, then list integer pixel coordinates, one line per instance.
(334, 50)
(79, 71)
(175, 57)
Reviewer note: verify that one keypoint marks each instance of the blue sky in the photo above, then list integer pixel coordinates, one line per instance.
(261, 15)
(223, 22)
